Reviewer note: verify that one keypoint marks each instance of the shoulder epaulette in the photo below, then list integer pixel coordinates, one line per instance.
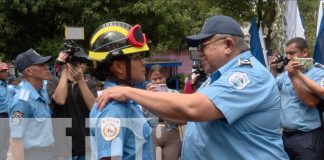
(245, 61)
(318, 65)
(24, 95)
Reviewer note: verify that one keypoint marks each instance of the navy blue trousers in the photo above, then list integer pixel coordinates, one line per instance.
(305, 146)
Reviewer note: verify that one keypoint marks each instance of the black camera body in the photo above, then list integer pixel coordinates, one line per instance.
(281, 61)
(199, 69)
(75, 53)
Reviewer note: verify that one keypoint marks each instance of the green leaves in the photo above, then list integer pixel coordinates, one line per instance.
(40, 24)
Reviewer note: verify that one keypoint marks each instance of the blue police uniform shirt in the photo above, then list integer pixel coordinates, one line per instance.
(30, 117)
(248, 97)
(4, 98)
(295, 114)
(120, 129)
(12, 90)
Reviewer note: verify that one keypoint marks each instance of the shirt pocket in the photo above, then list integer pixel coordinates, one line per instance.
(289, 87)
(42, 112)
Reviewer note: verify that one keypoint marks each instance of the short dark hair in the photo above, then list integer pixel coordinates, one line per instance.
(300, 43)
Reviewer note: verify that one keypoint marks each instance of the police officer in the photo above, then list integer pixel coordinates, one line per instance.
(30, 123)
(12, 85)
(120, 130)
(234, 113)
(4, 108)
(300, 119)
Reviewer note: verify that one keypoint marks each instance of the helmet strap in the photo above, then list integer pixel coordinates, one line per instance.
(128, 70)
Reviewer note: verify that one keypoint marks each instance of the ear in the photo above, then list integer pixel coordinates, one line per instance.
(306, 52)
(229, 45)
(28, 71)
(118, 67)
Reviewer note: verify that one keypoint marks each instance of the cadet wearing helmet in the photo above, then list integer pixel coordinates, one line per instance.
(119, 130)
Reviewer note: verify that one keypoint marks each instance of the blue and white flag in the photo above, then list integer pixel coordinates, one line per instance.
(255, 43)
(294, 27)
(319, 44)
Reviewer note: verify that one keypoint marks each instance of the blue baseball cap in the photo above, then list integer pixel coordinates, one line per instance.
(28, 58)
(216, 25)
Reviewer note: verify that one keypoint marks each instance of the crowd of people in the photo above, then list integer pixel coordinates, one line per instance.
(242, 111)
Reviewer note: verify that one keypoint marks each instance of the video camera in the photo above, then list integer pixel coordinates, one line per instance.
(281, 61)
(199, 70)
(75, 53)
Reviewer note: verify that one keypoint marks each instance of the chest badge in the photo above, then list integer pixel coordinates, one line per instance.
(239, 80)
(110, 128)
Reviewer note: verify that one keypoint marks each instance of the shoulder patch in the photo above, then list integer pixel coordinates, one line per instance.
(322, 82)
(110, 128)
(24, 95)
(239, 80)
(17, 117)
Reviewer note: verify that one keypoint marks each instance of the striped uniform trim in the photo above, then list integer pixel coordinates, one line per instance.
(24, 95)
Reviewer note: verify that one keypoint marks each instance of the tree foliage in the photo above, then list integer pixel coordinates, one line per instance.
(40, 24)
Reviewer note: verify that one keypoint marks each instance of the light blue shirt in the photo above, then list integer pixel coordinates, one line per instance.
(4, 98)
(248, 97)
(132, 134)
(30, 117)
(295, 114)
(12, 90)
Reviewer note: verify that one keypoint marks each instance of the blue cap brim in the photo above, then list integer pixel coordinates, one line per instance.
(193, 41)
(43, 60)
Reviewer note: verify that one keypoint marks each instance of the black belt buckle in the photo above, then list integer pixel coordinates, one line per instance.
(291, 132)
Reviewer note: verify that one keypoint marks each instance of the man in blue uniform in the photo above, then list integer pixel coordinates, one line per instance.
(12, 85)
(302, 134)
(30, 123)
(234, 113)
(120, 130)
(4, 108)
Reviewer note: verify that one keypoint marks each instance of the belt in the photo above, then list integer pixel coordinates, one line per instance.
(293, 132)
(4, 115)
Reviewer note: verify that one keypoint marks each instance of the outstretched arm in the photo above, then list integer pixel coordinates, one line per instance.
(168, 106)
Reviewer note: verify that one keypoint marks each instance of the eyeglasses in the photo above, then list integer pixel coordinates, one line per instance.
(196, 53)
(202, 46)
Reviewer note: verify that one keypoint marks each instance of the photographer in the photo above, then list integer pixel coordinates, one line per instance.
(72, 97)
(300, 119)
(199, 77)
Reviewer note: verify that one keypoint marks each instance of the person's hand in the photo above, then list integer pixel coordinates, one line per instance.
(62, 57)
(273, 65)
(293, 68)
(151, 87)
(76, 73)
(115, 93)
